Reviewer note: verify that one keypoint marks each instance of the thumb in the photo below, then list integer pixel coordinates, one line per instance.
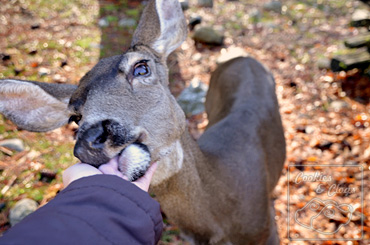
(144, 182)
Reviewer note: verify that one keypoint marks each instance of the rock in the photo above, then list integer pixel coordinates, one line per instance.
(35, 26)
(194, 21)
(96, 45)
(63, 63)
(17, 71)
(2, 206)
(359, 58)
(184, 4)
(32, 52)
(274, 6)
(127, 22)
(358, 41)
(13, 144)
(338, 105)
(59, 79)
(197, 57)
(208, 35)
(47, 175)
(231, 53)
(21, 209)
(205, 3)
(192, 98)
(255, 16)
(309, 129)
(103, 22)
(44, 71)
(301, 129)
(5, 57)
(323, 63)
(361, 17)
(271, 25)
(324, 145)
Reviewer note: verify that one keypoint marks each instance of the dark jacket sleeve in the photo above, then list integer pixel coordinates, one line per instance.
(100, 209)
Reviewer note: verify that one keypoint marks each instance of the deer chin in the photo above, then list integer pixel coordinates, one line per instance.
(134, 161)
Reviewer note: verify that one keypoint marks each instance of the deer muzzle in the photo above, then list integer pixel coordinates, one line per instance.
(98, 143)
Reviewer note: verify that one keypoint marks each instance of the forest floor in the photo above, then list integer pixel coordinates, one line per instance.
(326, 115)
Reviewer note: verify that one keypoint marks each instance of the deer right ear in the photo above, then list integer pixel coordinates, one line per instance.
(162, 27)
(35, 106)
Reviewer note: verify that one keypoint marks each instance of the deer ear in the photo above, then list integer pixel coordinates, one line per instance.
(162, 27)
(35, 106)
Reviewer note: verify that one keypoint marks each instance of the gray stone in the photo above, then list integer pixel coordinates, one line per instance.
(127, 22)
(274, 6)
(352, 58)
(195, 20)
(205, 3)
(13, 144)
(338, 105)
(361, 17)
(21, 209)
(192, 98)
(310, 129)
(44, 71)
(208, 35)
(323, 63)
(255, 16)
(184, 4)
(103, 22)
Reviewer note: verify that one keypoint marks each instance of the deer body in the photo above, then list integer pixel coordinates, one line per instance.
(232, 170)
(217, 190)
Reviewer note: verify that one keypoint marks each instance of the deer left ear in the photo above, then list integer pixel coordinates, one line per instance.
(162, 27)
(35, 106)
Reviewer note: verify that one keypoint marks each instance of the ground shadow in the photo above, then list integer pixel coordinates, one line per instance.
(357, 87)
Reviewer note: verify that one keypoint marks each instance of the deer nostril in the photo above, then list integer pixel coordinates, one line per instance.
(101, 139)
(87, 154)
(96, 136)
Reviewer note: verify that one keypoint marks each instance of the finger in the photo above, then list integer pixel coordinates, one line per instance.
(112, 168)
(78, 171)
(151, 170)
(144, 182)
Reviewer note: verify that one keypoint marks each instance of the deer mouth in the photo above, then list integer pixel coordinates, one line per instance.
(134, 161)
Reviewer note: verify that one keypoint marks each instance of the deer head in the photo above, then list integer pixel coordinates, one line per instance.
(123, 100)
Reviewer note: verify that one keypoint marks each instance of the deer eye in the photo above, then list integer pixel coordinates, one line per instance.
(141, 69)
(75, 118)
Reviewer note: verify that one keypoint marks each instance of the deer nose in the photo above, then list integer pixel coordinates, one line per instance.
(94, 140)
(96, 135)
(90, 145)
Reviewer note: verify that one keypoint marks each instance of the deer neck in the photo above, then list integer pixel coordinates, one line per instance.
(186, 190)
(179, 160)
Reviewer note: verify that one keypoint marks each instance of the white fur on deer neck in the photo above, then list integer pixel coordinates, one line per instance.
(170, 163)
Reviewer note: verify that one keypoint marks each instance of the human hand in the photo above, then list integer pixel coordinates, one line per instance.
(81, 170)
(143, 183)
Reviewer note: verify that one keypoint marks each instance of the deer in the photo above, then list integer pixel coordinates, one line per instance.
(218, 189)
